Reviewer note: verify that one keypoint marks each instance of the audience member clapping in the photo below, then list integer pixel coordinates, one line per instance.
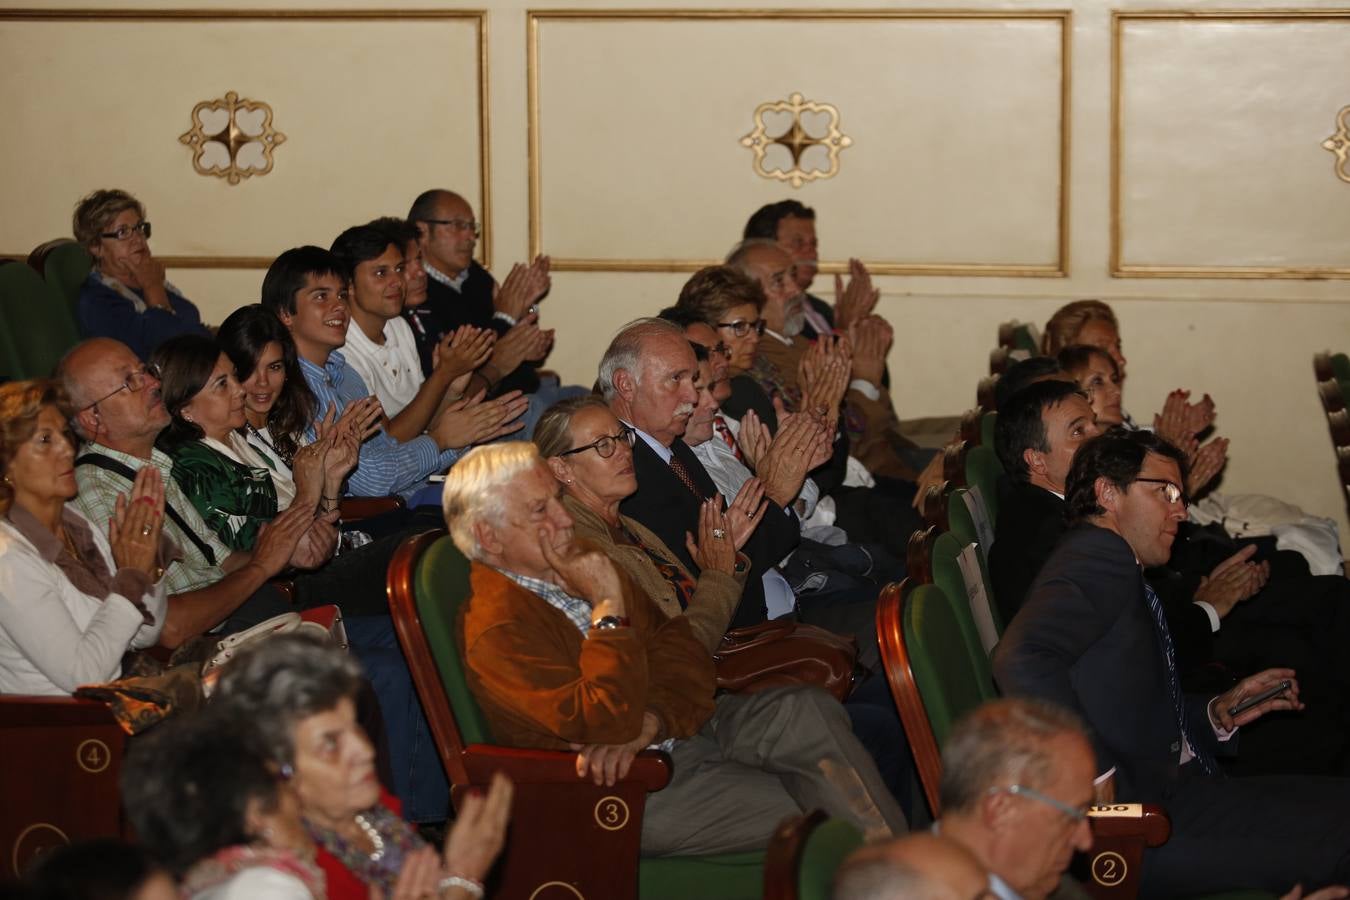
(126, 295)
(229, 483)
(591, 453)
(298, 696)
(75, 593)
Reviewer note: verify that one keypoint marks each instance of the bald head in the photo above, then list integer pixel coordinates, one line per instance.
(118, 403)
(919, 866)
(446, 229)
(772, 266)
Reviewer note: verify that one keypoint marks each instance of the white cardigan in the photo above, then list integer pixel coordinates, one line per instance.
(53, 638)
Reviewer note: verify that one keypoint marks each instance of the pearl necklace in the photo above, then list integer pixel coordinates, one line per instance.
(375, 840)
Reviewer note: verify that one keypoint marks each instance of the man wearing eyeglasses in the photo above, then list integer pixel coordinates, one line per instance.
(1092, 637)
(1016, 785)
(119, 414)
(1222, 616)
(462, 292)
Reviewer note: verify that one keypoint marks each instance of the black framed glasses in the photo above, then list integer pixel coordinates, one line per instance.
(133, 383)
(126, 231)
(741, 328)
(457, 225)
(605, 446)
(1171, 490)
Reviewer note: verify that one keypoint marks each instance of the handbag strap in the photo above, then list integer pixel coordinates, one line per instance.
(121, 468)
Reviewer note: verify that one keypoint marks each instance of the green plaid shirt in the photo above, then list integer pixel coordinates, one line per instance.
(98, 501)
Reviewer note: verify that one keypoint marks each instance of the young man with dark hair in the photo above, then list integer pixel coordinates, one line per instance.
(308, 290)
(381, 347)
(1092, 637)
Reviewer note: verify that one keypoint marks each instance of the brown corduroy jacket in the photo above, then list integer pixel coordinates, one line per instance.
(541, 683)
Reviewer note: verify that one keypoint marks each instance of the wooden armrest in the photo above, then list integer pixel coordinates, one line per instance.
(24, 710)
(1120, 832)
(651, 768)
(353, 509)
(1131, 820)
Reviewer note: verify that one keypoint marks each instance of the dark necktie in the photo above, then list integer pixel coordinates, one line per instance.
(1164, 636)
(720, 426)
(682, 472)
(684, 585)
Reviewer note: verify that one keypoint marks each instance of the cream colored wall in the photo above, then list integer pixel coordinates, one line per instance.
(956, 166)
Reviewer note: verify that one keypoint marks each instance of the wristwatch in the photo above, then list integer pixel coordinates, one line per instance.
(609, 623)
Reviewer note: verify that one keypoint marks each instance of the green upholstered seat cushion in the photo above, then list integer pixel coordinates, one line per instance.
(947, 575)
(987, 423)
(949, 682)
(442, 586)
(1025, 340)
(983, 470)
(40, 324)
(66, 268)
(728, 876)
(826, 848)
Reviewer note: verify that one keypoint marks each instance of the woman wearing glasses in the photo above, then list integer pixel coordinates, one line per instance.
(75, 595)
(126, 296)
(591, 454)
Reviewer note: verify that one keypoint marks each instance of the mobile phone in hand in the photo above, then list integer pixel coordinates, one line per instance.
(1260, 698)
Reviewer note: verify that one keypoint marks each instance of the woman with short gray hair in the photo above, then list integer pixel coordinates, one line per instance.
(299, 695)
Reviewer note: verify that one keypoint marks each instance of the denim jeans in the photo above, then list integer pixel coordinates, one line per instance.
(419, 779)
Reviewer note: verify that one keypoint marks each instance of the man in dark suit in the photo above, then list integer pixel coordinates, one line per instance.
(1092, 637)
(648, 378)
(1223, 618)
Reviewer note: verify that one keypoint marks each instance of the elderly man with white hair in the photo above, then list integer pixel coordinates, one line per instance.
(564, 652)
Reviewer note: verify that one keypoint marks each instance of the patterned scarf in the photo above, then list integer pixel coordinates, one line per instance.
(399, 838)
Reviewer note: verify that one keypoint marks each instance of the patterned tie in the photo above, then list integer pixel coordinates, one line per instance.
(682, 472)
(720, 426)
(684, 585)
(1202, 755)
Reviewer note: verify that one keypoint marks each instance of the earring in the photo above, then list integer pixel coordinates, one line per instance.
(567, 481)
(287, 771)
(186, 417)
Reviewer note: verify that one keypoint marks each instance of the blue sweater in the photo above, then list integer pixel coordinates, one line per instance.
(103, 312)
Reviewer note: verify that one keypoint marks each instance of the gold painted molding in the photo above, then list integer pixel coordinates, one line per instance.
(478, 16)
(1064, 17)
(1118, 267)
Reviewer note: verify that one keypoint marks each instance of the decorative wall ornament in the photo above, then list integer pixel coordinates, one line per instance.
(1339, 143)
(808, 133)
(232, 138)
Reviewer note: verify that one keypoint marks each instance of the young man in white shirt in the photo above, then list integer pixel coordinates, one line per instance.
(380, 344)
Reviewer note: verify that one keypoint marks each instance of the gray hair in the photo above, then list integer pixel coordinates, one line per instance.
(477, 485)
(736, 258)
(1002, 741)
(872, 875)
(625, 351)
(279, 682)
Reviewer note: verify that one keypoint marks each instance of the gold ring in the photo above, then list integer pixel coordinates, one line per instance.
(145, 530)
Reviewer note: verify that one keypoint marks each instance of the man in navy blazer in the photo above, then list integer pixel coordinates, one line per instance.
(1092, 637)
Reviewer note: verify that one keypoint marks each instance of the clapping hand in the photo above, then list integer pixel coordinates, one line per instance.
(713, 550)
(461, 351)
(134, 530)
(858, 299)
(746, 512)
(473, 420)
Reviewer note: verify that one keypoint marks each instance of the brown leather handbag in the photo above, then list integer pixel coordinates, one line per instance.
(782, 653)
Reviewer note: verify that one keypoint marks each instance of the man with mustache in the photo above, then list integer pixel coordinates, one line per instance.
(1092, 636)
(649, 379)
(868, 417)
